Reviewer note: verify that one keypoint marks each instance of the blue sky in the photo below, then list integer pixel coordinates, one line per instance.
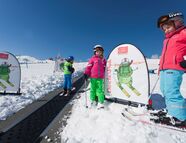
(44, 28)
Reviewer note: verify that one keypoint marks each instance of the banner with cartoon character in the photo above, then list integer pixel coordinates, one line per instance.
(127, 75)
(10, 73)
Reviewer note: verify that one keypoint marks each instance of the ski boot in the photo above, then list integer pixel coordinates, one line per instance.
(159, 113)
(63, 92)
(100, 106)
(93, 104)
(68, 92)
(168, 120)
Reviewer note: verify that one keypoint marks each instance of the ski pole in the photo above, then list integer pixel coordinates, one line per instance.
(154, 86)
(149, 106)
(86, 94)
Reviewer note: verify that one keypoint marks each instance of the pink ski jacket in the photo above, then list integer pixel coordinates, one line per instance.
(174, 50)
(96, 67)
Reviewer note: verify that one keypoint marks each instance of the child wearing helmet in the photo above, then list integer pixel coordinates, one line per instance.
(68, 70)
(172, 64)
(96, 71)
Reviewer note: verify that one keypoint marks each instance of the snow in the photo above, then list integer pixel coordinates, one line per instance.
(36, 80)
(87, 125)
(108, 126)
(29, 60)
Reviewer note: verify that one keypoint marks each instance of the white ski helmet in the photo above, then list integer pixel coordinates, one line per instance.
(98, 47)
(176, 17)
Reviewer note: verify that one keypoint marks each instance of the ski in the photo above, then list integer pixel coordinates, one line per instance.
(67, 94)
(62, 93)
(157, 113)
(148, 119)
(142, 113)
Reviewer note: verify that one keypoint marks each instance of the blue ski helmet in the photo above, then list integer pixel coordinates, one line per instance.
(176, 17)
(70, 58)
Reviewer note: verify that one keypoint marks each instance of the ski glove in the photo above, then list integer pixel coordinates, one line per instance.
(86, 77)
(183, 64)
(71, 69)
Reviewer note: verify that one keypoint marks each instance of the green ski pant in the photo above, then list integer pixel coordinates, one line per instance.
(96, 89)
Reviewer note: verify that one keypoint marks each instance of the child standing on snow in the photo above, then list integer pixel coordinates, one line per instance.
(68, 70)
(96, 71)
(173, 64)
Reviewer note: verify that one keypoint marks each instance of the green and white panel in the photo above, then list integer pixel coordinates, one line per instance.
(127, 75)
(10, 73)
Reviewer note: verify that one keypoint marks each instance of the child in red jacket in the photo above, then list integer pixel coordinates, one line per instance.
(96, 71)
(173, 65)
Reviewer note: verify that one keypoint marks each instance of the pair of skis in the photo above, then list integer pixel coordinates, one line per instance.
(67, 94)
(149, 118)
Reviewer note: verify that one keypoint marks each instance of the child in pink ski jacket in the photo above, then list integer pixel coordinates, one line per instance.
(96, 71)
(173, 64)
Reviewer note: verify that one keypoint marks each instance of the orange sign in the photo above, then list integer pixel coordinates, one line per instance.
(123, 50)
(3, 56)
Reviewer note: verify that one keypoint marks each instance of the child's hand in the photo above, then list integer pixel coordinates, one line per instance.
(183, 64)
(86, 77)
(73, 70)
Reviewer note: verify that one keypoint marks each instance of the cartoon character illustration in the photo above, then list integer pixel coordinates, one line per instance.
(4, 74)
(124, 76)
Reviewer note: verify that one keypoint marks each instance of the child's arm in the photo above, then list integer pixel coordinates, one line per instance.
(61, 66)
(104, 62)
(89, 67)
(71, 69)
(183, 62)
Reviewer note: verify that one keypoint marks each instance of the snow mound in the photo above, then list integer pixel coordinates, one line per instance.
(29, 60)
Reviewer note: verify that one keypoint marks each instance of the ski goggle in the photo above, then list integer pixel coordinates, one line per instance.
(162, 20)
(172, 16)
(98, 49)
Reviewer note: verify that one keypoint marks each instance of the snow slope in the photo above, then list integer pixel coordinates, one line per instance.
(87, 125)
(108, 126)
(29, 60)
(36, 80)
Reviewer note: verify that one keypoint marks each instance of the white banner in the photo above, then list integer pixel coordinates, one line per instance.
(10, 73)
(127, 75)
(59, 65)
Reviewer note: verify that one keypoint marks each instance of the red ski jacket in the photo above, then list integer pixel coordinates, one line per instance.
(174, 50)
